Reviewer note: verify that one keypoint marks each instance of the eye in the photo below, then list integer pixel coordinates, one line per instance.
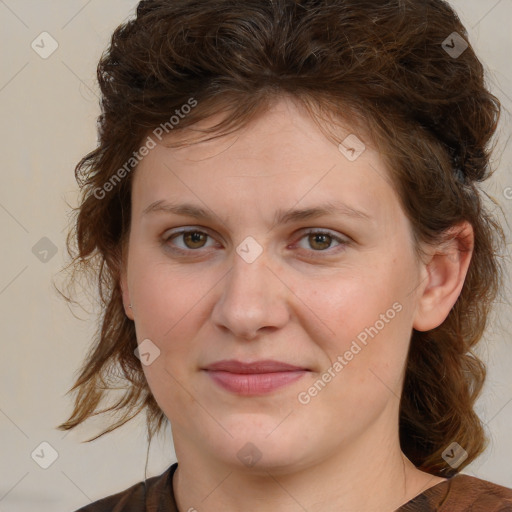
(320, 241)
(192, 239)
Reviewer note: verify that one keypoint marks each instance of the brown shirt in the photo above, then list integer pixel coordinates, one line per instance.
(461, 493)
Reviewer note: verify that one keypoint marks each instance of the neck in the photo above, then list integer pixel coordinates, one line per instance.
(360, 477)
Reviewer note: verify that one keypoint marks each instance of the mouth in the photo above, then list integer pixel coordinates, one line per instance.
(256, 378)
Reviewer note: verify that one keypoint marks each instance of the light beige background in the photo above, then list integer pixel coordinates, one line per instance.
(49, 109)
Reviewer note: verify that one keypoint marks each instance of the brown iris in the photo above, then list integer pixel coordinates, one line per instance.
(194, 239)
(323, 239)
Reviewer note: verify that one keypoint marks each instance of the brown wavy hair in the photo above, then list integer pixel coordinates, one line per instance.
(379, 65)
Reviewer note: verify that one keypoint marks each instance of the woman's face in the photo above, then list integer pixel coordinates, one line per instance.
(251, 283)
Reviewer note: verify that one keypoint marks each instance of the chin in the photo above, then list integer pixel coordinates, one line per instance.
(267, 447)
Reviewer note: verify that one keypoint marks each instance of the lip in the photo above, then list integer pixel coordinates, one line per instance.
(263, 366)
(256, 378)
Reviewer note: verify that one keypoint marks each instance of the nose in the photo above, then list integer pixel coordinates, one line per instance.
(253, 300)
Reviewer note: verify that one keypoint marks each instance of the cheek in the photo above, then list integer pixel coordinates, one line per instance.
(168, 303)
(165, 297)
(348, 304)
(367, 354)
(169, 310)
(371, 322)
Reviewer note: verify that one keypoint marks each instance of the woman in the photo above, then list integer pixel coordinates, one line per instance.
(284, 217)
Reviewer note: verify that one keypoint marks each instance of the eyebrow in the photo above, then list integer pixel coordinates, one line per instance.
(281, 217)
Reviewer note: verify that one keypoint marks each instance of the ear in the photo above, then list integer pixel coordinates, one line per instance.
(444, 275)
(125, 292)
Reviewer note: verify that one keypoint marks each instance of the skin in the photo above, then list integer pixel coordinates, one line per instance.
(302, 301)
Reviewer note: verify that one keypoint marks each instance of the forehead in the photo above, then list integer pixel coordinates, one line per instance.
(282, 123)
(281, 156)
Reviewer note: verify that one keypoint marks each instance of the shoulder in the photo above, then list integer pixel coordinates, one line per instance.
(156, 491)
(462, 493)
(478, 494)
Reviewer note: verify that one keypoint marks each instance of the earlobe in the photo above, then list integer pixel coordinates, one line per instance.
(445, 276)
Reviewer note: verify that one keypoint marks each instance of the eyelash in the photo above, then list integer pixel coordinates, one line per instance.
(186, 252)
